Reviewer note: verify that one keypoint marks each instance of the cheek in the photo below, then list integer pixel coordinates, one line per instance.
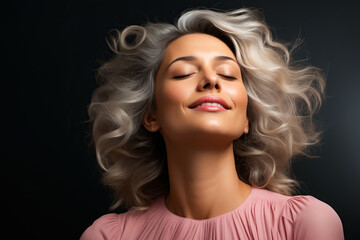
(170, 100)
(238, 94)
(239, 97)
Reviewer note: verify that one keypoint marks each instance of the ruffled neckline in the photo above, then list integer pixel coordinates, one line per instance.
(161, 204)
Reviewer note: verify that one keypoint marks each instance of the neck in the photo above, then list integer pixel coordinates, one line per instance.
(203, 181)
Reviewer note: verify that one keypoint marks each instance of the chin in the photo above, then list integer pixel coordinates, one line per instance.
(218, 133)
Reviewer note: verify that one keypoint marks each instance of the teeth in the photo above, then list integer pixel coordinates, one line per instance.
(211, 104)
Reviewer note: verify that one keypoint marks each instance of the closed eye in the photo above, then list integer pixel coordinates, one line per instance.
(227, 76)
(182, 76)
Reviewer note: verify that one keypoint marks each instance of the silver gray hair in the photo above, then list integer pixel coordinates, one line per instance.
(283, 96)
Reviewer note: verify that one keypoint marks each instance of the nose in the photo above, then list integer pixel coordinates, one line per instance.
(210, 81)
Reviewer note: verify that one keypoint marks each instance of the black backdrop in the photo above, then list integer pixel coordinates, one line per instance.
(50, 180)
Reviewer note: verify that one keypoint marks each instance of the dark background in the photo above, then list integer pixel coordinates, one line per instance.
(50, 182)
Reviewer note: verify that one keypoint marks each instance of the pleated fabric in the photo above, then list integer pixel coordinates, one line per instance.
(263, 215)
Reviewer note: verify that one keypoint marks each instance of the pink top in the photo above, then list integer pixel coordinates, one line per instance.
(263, 215)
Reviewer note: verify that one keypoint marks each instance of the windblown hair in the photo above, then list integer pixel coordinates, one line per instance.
(283, 96)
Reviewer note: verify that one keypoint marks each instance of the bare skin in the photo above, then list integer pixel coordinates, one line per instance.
(197, 71)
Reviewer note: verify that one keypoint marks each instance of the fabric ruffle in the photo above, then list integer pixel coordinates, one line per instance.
(263, 215)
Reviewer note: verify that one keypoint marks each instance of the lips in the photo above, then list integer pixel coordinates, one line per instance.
(210, 103)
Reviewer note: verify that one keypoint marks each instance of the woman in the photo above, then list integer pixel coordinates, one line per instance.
(195, 125)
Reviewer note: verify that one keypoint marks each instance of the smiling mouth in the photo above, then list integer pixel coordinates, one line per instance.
(210, 103)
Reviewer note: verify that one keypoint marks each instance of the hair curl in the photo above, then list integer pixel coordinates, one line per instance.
(283, 97)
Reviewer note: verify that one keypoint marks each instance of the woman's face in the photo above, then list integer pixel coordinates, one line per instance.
(199, 91)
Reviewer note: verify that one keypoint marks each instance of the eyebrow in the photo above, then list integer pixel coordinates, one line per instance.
(192, 58)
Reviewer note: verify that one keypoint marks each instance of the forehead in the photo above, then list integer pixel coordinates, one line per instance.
(196, 43)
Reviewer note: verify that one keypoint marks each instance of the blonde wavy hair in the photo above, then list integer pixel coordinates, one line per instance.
(283, 96)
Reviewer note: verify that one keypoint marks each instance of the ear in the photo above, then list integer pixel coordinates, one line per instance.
(150, 122)
(246, 126)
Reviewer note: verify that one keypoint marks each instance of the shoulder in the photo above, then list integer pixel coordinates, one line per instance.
(311, 218)
(105, 227)
(298, 217)
(124, 225)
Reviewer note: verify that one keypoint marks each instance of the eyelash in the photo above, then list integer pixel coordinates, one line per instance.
(228, 77)
(187, 75)
(182, 76)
